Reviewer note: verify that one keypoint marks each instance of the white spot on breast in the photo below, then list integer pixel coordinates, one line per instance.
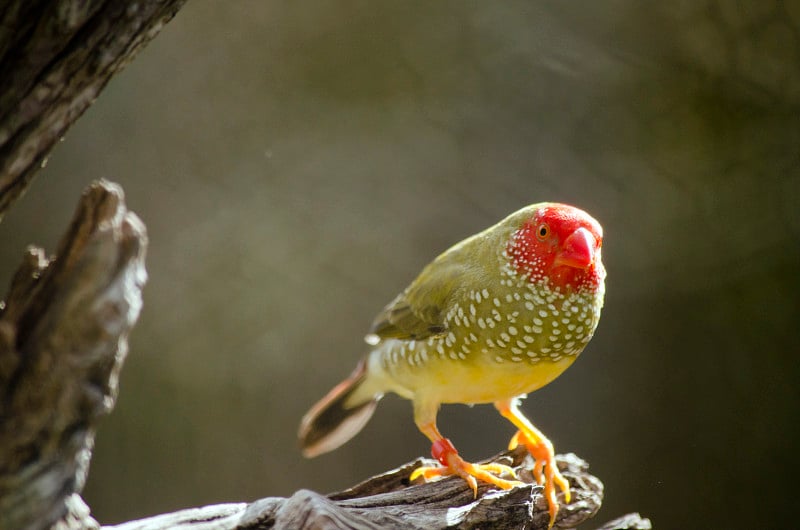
(453, 355)
(496, 302)
(481, 323)
(498, 359)
(528, 339)
(543, 313)
(477, 297)
(472, 310)
(485, 293)
(536, 329)
(512, 330)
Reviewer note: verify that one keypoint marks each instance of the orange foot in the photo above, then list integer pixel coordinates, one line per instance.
(443, 451)
(545, 470)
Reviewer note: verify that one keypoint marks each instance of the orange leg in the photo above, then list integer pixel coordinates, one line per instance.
(447, 455)
(545, 470)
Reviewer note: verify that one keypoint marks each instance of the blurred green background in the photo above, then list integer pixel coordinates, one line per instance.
(297, 164)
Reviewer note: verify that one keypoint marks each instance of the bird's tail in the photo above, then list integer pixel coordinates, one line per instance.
(338, 416)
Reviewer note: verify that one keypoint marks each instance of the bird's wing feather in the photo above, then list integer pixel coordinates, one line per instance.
(419, 312)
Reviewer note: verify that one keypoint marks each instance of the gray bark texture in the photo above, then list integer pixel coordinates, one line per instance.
(55, 58)
(63, 338)
(389, 501)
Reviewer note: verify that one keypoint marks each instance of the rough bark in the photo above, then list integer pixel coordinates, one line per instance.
(55, 58)
(63, 338)
(389, 501)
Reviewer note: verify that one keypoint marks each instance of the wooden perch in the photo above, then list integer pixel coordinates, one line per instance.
(389, 501)
(55, 58)
(63, 338)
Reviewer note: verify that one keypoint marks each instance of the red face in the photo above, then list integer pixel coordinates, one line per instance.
(562, 243)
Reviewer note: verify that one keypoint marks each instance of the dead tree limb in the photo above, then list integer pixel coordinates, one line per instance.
(55, 58)
(389, 501)
(63, 338)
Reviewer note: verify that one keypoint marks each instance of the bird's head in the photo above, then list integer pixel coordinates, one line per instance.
(559, 243)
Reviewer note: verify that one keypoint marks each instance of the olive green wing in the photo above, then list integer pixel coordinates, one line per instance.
(420, 311)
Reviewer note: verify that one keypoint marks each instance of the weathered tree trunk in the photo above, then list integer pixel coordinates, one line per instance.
(55, 58)
(65, 320)
(63, 338)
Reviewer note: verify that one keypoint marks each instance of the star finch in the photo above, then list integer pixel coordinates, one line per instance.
(497, 316)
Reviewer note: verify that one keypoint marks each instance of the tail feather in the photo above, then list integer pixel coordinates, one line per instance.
(339, 416)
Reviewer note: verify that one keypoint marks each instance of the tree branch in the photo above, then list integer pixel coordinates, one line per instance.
(55, 58)
(63, 338)
(389, 501)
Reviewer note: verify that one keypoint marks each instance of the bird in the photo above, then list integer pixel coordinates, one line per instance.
(493, 318)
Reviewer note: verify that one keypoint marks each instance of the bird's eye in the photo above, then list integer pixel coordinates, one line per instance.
(542, 231)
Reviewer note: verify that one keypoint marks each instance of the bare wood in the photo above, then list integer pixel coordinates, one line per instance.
(55, 58)
(63, 338)
(389, 501)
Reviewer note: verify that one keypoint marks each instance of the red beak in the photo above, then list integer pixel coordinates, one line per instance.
(577, 250)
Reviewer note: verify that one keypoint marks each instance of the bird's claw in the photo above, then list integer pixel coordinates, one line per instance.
(471, 473)
(545, 471)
